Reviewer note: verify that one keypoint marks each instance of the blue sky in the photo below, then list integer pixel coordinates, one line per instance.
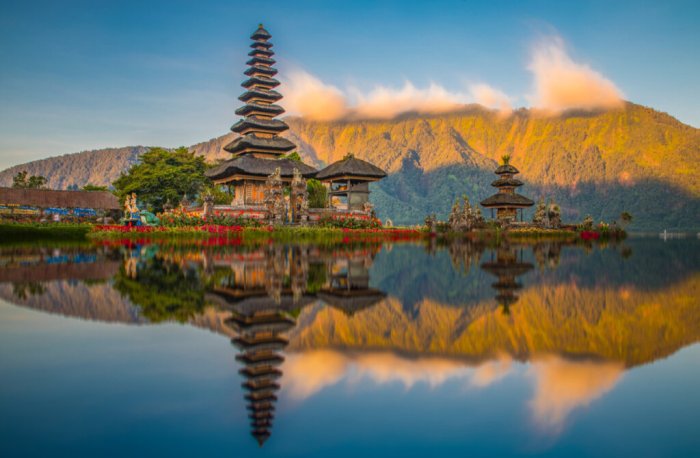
(83, 75)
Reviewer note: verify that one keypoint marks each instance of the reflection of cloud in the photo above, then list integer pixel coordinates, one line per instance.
(307, 373)
(561, 386)
(491, 372)
(388, 367)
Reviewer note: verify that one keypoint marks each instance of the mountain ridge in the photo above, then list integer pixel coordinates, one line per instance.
(601, 163)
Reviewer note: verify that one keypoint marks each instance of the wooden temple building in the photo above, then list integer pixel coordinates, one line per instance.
(259, 149)
(506, 201)
(348, 181)
(259, 166)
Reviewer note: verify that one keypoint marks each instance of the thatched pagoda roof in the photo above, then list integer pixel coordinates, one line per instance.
(261, 69)
(262, 51)
(271, 109)
(253, 142)
(351, 166)
(271, 125)
(503, 199)
(257, 93)
(351, 301)
(255, 60)
(261, 34)
(507, 268)
(260, 81)
(47, 198)
(506, 168)
(249, 165)
(506, 182)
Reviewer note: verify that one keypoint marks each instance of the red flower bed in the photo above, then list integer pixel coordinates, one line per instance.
(590, 235)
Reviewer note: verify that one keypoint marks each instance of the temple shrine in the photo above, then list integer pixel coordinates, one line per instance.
(506, 201)
(258, 151)
(263, 182)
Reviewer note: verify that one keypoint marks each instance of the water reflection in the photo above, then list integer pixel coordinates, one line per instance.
(569, 318)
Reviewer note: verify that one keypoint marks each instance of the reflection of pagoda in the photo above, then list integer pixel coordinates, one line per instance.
(507, 266)
(348, 286)
(260, 342)
(262, 303)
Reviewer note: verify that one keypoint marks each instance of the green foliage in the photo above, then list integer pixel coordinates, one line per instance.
(350, 223)
(293, 156)
(163, 175)
(178, 219)
(94, 187)
(318, 194)
(221, 197)
(33, 182)
(42, 231)
(162, 290)
(625, 217)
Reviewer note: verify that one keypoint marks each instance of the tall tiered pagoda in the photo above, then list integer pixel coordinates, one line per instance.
(506, 201)
(259, 149)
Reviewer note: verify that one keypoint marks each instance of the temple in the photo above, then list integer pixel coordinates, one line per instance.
(348, 181)
(506, 201)
(262, 181)
(259, 150)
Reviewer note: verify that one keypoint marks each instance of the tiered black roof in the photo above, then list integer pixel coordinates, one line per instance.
(249, 165)
(260, 342)
(351, 166)
(507, 267)
(506, 197)
(258, 129)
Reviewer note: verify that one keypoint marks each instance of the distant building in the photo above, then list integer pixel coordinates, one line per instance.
(44, 202)
(506, 201)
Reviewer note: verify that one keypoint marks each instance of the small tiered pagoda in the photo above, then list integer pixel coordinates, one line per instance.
(258, 152)
(506, 201)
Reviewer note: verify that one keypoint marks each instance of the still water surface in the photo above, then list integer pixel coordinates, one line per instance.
(350, 350)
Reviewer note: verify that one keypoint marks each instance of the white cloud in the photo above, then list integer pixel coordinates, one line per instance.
(561, 84)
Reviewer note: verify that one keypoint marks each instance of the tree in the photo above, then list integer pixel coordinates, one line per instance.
(293, 156)
(318, 194)
(163, 175)
(94, 187)
(221, 197)
(33, 182)
(625, 218)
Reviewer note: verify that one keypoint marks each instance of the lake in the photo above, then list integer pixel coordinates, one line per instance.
(356, 349)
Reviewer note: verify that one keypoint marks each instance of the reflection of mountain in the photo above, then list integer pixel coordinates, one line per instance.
(622, 324)
(73, 281)
(89, 301)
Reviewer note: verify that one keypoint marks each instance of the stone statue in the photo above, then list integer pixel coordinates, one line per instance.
(274, 197)
(299, 198)
(208, 205)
